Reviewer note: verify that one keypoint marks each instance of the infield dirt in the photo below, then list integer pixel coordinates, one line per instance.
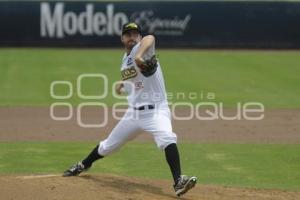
(95, 187)
(35, 124)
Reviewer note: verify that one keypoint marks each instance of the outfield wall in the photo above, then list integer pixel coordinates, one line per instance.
(175, 24)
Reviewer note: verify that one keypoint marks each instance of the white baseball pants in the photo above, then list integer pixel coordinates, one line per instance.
(154, 121)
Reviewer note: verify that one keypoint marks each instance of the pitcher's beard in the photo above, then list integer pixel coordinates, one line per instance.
(131, 45)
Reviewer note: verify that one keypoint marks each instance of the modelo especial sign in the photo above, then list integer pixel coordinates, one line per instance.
(175, 24)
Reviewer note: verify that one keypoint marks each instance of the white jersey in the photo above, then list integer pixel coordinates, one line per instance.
(142, 90)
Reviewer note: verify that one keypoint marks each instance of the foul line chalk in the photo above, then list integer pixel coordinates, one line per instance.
(37, 176)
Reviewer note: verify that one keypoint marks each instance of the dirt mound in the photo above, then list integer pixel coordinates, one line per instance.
(113, 187)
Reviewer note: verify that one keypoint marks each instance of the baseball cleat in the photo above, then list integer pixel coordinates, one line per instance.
(75, 170)
(184, 184)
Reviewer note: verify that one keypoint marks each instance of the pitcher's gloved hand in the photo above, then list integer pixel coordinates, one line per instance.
(148, 67)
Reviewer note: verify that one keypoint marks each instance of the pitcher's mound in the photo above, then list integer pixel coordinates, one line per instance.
(111, 187)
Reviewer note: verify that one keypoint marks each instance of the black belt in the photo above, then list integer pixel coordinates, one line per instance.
(144, 107)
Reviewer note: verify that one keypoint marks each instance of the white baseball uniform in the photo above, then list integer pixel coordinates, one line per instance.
(148, 107)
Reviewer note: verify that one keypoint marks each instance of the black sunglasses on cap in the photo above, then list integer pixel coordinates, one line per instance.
(131, 26)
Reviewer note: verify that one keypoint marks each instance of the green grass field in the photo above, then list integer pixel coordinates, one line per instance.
(270, 77)
(247, 165)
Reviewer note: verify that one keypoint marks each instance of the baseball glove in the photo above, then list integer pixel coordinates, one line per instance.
(149, 66)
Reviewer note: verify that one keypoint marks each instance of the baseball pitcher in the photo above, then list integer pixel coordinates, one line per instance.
(148, 110)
